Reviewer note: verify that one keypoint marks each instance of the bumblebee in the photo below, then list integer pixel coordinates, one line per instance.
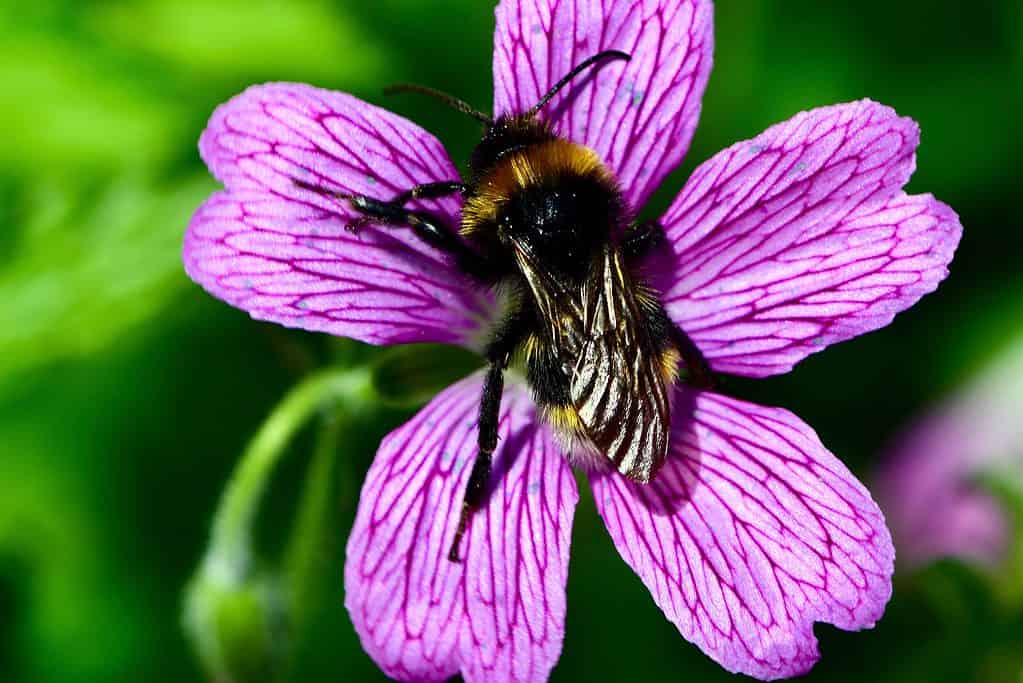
(544, 220)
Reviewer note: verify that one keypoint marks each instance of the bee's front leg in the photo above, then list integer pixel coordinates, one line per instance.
(431, 191)
(428, 227)
(444, 188)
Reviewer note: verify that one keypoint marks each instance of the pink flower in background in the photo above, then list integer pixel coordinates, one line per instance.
(777, 247)
(928, 483)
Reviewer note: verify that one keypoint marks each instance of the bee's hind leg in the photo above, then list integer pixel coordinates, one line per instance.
(428, 227)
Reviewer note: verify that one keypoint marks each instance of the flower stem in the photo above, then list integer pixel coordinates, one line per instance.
(236, 614)
(232, 524)
(307, 551)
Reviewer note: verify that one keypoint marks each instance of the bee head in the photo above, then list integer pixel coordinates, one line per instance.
(509, 132)
(512, 132)
(506, 135)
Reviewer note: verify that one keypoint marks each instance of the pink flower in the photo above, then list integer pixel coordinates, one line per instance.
(777, 247)
(929, 483)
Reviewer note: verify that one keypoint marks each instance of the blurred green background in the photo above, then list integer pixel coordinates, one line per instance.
(127, 394)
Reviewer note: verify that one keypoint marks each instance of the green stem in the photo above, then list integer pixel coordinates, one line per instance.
(309, 548)
(230, 546)
(235, 614)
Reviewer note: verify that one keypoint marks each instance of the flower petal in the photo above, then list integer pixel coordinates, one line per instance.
(752, 532)
(282, 252)
(639, 117)
(499, 615)
(801, 238)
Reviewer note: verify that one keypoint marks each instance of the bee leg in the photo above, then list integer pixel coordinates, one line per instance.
(700, 375)
(425, 191)
(479, 478)
(641, 238)
(508, 336)
(638, 242)
(431, 191)
(428, 227)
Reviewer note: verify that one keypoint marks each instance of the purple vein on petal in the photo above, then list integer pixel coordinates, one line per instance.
(802, 238)
(498, 616)
(639, 117)
(266, 235)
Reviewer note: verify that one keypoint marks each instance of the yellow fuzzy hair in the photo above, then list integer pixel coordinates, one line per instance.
(537, 164)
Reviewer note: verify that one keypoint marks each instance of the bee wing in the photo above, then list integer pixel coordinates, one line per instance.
(619, 381)
(619, 386)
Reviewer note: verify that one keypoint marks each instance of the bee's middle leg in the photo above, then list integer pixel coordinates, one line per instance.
(699, 374)
(508, 336)
(641, 238)
(479, 478)
(638, 242)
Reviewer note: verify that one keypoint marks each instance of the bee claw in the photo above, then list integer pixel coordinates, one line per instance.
(353, 227)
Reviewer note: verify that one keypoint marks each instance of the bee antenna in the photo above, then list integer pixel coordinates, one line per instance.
(599, 57)
(450, 100)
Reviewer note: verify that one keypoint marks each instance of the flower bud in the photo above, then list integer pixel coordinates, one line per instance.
(237, 624)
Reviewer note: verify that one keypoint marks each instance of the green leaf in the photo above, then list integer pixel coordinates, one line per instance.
(86, 267)
(63, 111)
(257, 39)
(73, 603)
